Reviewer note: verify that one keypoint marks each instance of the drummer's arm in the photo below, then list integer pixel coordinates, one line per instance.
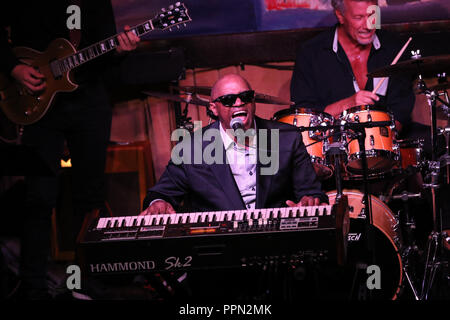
(360, 98)
(335, 109)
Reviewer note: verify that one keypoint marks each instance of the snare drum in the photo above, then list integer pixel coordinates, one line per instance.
(381, 148)
(411, 152)
(313, 140)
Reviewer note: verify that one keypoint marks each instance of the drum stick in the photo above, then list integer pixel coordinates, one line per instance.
(393, 62)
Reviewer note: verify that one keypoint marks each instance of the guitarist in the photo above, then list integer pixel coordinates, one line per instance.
(81, 118)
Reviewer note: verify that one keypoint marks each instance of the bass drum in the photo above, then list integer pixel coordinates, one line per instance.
(387, 245)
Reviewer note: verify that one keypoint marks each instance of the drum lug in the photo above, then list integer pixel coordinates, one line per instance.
(397, 241)
(362, 213)
(396, 226)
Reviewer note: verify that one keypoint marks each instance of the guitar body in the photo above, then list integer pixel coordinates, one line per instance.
(17, 103)
(55, 64)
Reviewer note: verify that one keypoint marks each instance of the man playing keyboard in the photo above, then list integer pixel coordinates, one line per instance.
(241, 178)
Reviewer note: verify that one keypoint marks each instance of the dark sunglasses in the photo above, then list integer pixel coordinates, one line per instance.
(229, 100)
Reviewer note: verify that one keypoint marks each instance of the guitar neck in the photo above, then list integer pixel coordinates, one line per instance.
(100, 48)
(167, 19)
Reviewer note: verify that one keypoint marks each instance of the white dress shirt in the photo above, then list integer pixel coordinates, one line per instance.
(242, 162)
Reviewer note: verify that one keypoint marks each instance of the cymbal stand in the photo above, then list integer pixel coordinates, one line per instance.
(184, 122)
(434, 249)
(410, 247)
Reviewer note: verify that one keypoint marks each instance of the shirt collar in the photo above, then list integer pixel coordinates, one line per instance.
(228, 142)
(376, 42)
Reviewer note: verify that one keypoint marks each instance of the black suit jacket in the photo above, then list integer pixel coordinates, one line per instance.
(211, 187)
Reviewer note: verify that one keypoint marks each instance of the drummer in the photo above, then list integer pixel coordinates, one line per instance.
(331, 69)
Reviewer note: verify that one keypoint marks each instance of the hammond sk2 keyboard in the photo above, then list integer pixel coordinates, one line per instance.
(208, 240)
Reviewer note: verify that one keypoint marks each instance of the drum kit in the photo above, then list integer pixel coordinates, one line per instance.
(361, 145)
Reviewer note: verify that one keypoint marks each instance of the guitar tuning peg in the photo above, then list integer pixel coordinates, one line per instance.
(177, 4)
(163, 9)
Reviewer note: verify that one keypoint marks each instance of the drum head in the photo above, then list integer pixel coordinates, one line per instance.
(384, 252)
(293, 111)
(364, 108)
(384, 256)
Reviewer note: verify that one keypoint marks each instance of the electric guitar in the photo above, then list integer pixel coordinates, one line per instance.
(57, 62)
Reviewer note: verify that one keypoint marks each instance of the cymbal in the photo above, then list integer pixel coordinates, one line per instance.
(259, 97)
(174, 97)
(427, 66)
(203, 90)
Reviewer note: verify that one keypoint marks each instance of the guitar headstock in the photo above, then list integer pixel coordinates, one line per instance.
(173, 16)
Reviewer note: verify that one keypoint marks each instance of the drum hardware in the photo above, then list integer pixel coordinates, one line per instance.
(446, 157)
(359, 130)
(361, 210)
(435, 254)
(410, 248)
(183, 121)
(405, 196)
(406, 257)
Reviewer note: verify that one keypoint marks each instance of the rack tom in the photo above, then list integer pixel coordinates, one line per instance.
(411, 152)
(381, 148)
(313, 140)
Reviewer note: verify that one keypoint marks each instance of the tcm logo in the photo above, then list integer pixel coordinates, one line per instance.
(353, 236)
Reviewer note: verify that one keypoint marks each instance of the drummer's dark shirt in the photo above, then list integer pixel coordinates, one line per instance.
(323, 76)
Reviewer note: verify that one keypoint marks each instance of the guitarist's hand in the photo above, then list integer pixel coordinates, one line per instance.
(127, 40)
(29, 77)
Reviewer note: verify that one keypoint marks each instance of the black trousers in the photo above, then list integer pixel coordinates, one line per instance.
(83, 119)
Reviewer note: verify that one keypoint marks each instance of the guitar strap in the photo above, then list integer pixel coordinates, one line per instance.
(75, 34)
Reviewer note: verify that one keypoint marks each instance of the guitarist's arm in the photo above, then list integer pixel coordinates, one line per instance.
(32, 79)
